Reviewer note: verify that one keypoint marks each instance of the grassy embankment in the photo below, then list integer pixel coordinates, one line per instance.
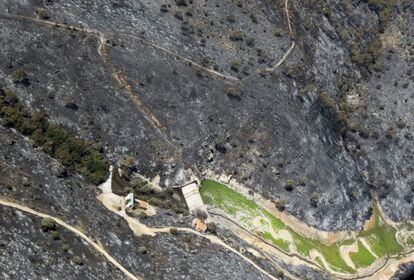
(381, 237)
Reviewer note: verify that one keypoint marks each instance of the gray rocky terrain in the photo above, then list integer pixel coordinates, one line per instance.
(180, 85)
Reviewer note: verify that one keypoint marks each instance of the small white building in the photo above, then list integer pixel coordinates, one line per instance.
(129, 200)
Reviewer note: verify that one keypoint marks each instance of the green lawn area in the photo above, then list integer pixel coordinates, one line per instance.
(235, 204)
(280, 243)
(330, 252)
(381, 237)
(363, 257)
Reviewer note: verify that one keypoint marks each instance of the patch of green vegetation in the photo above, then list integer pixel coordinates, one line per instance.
(48, 224)
(236, 205)
(280, 243)
(319, 261)
(363, 257)
(161, 198)
(381, 237)
(77, 155)
(245, 210)
(329, 252)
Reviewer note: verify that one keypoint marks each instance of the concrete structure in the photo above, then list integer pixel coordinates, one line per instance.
(192, 197)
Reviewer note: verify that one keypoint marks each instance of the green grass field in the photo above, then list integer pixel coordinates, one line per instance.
(381, 237)
(363, 257)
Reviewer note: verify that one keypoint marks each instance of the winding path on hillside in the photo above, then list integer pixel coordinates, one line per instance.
(102, 37)
(121, 78)
(6, 202)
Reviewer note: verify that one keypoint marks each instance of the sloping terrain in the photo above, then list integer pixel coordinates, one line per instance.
(361, 253)
(307, 103)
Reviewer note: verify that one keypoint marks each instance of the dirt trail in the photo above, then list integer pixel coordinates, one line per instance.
(102, 36)
(288, 18)
(384, 268)
(178, 56)
(117, 74)
(133, 95)
(116, 204)
(261, 245)
(314, 255)
(368, 247)
(346, 250)
(292, 46)
(285, 56)
(8, 203)
(123, 82)
(99, 34)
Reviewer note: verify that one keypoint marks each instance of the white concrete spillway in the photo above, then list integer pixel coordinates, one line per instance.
(193, 198)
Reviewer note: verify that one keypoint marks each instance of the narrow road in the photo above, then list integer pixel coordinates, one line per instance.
(214, 239)
(7, 203)
(115, 202)
(99, 34)
(391, 263)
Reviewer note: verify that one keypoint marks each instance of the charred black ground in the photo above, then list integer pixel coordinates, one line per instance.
(178, 85)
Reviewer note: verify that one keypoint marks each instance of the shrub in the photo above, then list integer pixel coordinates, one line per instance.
(290, 184)
(212, 227)
(253, 18)
(234, 93)
(77, 260)
(174, 231)
(262, 56)
(55, 235)
(42, 13)
(327, 101)
(187, 239)
(128, 162)
(65, 247)
(237, 35)
(170, 190)
(142, 250)
(48, 224)
(315, 199)
(201, 214)
(189, 12)
(164, 8)
(20, 76)
(250, 42)
(231, 18)
(179, 15)
(278, 32)
(280, 274)
(235, 65)
(280, 204)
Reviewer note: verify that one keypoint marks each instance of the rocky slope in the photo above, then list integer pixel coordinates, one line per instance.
(182, 87)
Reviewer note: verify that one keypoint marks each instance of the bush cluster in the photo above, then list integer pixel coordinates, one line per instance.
(75, 154)
(339, 116)
(163, 199)
(48, 224)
